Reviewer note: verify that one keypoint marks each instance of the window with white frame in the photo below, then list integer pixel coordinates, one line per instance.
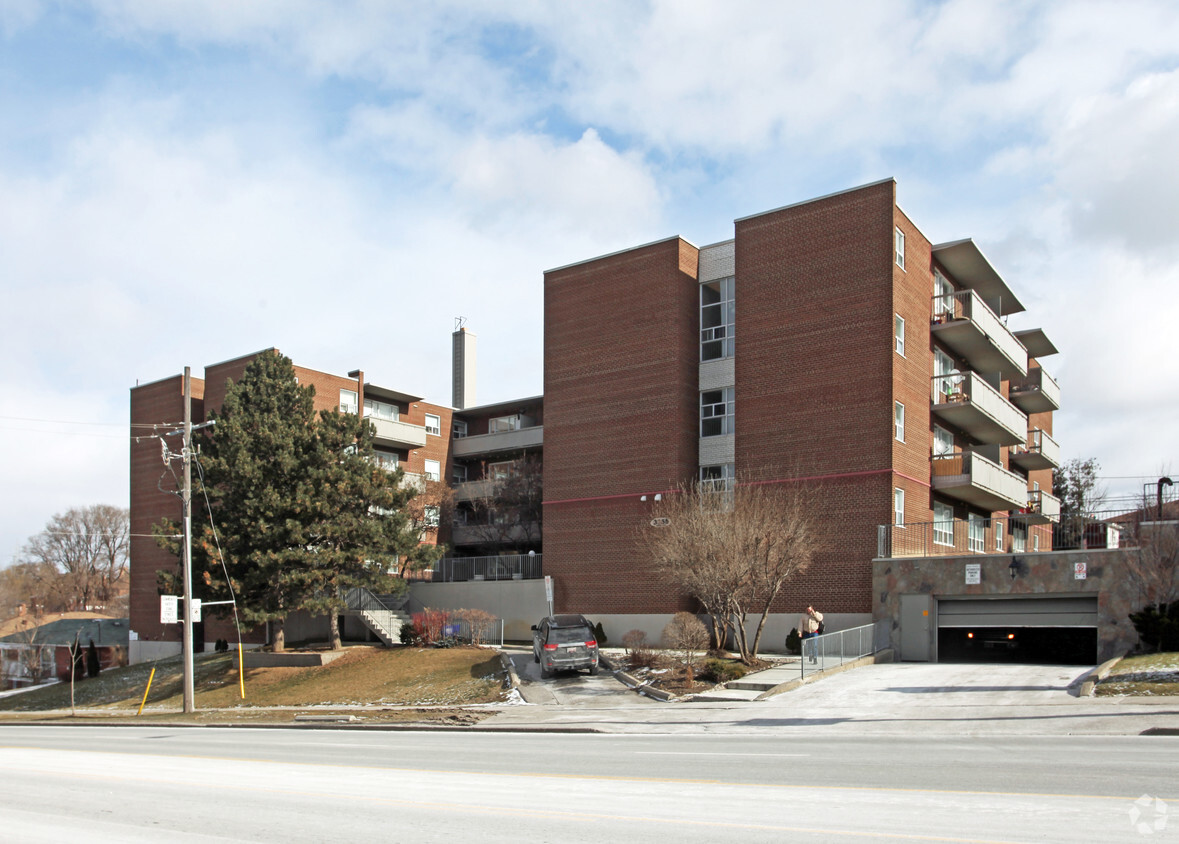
(943, 524)
(1019, 537)
(949, 380)
(943, 441)
(998, 535)
(1035, 541)
(899, 332)
(431, 515)
(433, 424)
(898, 421)
(718, 319)
(978, 530)
(899, 242)
(381, 410)
(943, 302)
(719, 478)
(458, 428)
(898, 507)
(716, 412)
(348, 401)
(432, 469)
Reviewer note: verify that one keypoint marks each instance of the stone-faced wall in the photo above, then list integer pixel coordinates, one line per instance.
(1043, 574)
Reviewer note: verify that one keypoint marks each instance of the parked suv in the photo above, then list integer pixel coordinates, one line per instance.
(562, 642)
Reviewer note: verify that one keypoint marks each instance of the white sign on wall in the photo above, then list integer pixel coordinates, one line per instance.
(1080, 571)
(973, 573)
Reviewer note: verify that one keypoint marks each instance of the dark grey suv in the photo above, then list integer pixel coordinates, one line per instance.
(561, 642)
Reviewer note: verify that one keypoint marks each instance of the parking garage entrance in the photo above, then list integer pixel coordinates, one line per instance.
(1046, 630)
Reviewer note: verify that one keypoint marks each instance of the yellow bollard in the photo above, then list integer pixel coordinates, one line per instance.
(241, 679)
(145, 691)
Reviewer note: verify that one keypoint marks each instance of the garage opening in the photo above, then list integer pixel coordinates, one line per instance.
(1059, 631)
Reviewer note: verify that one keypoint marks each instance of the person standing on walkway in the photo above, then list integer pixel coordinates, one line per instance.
(809, 624)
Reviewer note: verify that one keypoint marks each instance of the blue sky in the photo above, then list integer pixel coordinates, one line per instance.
(185, 182)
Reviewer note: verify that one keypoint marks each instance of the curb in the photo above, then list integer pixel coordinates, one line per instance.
(512, 681)
(633, 683)
(1090, 680)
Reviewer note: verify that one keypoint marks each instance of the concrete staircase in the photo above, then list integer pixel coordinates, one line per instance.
(384, 615)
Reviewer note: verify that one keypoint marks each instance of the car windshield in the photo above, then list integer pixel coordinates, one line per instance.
(569, 635)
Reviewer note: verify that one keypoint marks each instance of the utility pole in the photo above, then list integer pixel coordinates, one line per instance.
(186, 498)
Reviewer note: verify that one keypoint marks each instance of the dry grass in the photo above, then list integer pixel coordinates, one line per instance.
(1148, 675)
(365, 677)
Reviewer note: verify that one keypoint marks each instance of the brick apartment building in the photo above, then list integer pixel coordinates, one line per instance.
(829, 344)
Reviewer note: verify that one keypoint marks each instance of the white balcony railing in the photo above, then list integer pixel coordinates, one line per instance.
(970, 403)
(402, 433)
(963, 322)
(1040, 451)
(972, 478)
(511, 440)
(1036, 392)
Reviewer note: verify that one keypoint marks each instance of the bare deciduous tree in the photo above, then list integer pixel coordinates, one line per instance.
(510, 513)
(1154, 564)
(733, 551)
(89, 547)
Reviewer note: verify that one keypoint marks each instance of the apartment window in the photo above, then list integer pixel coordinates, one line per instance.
(898, 420)
(977, 533)
(899, 331)
(943, 441)
(458, 428)
(431, 516)
(943, 524)
(432, 469)
(381, 410)
(898, 507)
(502, 470)
(1035, 542)
(948, 380)
(716, 412)
(458, 473)
(348, 401)
(899, 242)
(943, 298)
(998, 535)
(433, 424)
(504, 423)
(718, 319)
(386, 459)
(1019, 537)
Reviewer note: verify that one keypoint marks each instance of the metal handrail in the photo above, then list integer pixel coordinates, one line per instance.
(831, 650)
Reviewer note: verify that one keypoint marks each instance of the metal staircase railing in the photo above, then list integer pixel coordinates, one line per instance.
(383, 620)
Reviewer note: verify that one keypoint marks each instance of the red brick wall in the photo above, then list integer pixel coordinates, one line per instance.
(621, 401)
(815, 375)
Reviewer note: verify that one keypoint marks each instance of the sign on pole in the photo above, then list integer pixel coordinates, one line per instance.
(548, 591)
(168, 611)
(196, 610)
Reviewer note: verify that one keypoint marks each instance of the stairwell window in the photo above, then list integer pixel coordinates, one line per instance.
(898, 419)
(433, 424)
(718, 319)
(899, 243)
(716, 412)
(899, 331)
(898, 507)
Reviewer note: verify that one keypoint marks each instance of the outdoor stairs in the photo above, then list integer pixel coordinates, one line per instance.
(751, 686)
(382, 614)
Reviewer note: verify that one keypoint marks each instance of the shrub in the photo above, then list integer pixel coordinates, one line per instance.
(480, 624)
(688, 636)
(794, 642)
(638, 653)
(722, 670)
(427, 626)
(599, 634)
(634, 640)
(1158, 626)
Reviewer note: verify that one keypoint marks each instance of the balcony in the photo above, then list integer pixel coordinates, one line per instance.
(1041, 508)
(1040, 452)
(500, 441)
(972, 478)
(402, 434)
(970, 403)
(470, 534)
(473, 490)
(1035, 392)
(965, 324)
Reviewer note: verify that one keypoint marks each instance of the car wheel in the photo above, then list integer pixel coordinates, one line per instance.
(545, 673)
(535, 656)
(594, 670)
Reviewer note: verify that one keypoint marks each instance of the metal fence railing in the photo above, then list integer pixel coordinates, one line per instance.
(503, 567)
(830, 650)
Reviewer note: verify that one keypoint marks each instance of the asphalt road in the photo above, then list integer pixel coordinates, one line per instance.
(213, 784)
